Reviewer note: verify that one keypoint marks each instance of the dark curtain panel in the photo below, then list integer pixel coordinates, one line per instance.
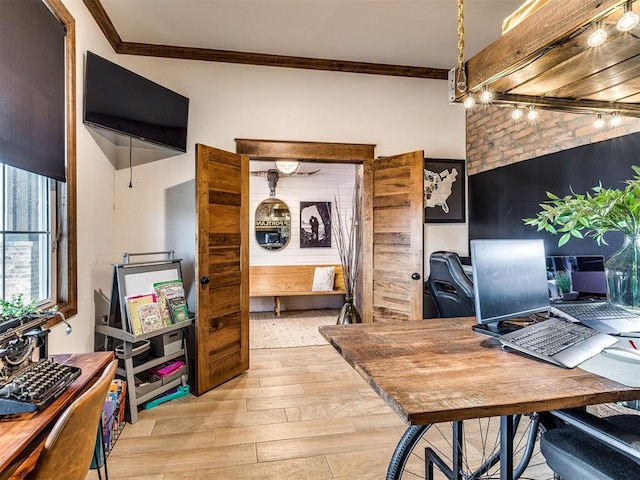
(32, 88)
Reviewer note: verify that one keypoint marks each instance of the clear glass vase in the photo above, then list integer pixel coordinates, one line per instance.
(622, 271)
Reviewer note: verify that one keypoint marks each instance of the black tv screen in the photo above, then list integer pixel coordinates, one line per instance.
(123, 102)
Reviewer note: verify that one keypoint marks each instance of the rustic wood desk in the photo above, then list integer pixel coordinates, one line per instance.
(23, 434)
(440, 370)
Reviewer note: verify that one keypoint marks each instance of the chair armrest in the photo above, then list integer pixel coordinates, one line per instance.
(621, 440)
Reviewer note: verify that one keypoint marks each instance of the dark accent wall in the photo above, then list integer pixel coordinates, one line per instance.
(500, 198)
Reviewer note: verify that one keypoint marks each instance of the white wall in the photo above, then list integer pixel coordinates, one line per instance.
(226, 102)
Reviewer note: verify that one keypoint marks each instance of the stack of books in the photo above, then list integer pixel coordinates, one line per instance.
(164, 306)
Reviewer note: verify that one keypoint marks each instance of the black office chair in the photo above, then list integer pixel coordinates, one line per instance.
(449, 285)
(593, 448)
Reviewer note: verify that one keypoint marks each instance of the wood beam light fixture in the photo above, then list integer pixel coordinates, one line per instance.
(534, 65)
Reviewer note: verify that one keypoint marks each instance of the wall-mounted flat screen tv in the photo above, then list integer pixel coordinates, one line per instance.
(125, 103)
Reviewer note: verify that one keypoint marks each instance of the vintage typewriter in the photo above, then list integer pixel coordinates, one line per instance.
(27, 385)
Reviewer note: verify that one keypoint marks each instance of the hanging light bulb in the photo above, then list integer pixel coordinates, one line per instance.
(597, 37)
(629, 19)
(616, 120)
(599, 123)
(288, 166)
(486, 96)
(517, 113)
(469, 102)
(532, 114)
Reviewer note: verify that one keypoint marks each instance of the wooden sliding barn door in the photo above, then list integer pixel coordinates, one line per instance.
(222, 267)
(393, 226)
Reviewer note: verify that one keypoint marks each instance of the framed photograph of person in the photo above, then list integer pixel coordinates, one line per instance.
(444, 191)
(315, 224)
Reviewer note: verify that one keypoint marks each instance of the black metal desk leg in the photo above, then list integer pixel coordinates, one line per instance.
(506, 447)
(458, 436)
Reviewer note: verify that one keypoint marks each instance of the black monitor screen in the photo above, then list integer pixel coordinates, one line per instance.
(509, 279)
(580, 275)
(272, 237)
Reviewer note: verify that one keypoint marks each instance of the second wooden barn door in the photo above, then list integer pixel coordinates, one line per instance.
(393, 217)
(222, 267)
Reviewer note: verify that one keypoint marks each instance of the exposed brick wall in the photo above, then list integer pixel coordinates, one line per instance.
(494, 139)
(22, 269)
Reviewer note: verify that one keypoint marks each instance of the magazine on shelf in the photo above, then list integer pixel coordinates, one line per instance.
(151, 317)
(166, 291)
(133, 313)
(178, 309)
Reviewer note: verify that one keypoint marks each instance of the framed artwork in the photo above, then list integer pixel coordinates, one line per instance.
(444, 191)
(315, 224)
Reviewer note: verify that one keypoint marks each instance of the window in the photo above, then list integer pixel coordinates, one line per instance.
(26, 236)
(48, 232)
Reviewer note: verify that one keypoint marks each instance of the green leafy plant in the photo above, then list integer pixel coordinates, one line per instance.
(16, 307)
(592, 214)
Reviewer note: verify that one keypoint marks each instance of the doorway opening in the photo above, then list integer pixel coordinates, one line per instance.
(323, 176)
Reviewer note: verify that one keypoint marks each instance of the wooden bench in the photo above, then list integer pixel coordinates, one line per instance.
(289, 280)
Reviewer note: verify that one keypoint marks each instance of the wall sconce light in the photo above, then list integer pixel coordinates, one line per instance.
(532, 114)
(288, 167)
(629, 19)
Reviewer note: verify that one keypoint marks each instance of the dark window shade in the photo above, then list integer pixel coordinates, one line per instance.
(32, 88)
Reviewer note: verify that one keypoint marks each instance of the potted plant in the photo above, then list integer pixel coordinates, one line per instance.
(18, 317)
(593, 214)
(15, 307)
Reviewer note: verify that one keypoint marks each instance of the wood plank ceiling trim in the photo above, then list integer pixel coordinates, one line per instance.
(248, 58)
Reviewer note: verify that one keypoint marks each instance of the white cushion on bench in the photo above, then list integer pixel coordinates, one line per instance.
(323, 278)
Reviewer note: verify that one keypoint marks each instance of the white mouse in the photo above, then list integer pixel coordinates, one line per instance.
(623, 353)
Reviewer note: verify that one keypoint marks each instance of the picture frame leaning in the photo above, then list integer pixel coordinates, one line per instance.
(444, 191)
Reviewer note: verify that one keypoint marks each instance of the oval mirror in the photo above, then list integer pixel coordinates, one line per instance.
(273, 224)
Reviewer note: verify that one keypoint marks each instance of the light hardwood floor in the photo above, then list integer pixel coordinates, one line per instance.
(298, 413)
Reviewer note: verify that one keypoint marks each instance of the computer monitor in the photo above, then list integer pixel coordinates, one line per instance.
(509, 279)
(272, 237)
(574, 277)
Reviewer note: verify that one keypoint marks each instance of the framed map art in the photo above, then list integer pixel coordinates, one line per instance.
(444, 191)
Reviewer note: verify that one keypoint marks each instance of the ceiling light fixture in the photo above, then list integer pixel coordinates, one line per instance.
(599, 123)
(288, 167)
(461, 92)
(486, 96)
(469, 102)
(517, 113)
(598, 36)
(629, 19)
(616, 120)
